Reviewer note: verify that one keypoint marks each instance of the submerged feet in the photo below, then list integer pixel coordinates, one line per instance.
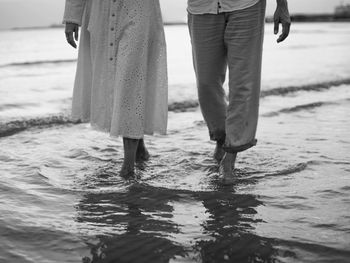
(142, 153)
(128, 170)
(219, 152)
(134, 151)
(226, 162)
(227, 166)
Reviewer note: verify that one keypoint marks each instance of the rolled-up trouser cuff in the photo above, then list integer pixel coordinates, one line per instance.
(241, 148)
(218, 136)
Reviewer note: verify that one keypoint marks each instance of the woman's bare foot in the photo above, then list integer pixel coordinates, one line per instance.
(142, 153)
(227, 166)
(128, 170)
(130, 148)
(219, 152)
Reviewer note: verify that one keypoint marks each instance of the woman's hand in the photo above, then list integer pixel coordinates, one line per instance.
(282, 16)
(72, 34)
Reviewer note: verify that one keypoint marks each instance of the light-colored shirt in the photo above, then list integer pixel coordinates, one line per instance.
(198, 7)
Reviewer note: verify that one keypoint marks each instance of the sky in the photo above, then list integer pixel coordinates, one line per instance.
(28, 13)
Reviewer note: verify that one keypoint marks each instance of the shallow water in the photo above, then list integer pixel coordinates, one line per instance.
(61, 199)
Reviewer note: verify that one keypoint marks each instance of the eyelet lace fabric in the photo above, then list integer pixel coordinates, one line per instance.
(121, 80)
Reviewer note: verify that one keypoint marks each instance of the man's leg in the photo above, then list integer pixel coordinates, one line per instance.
(244, 39)
(210, 63)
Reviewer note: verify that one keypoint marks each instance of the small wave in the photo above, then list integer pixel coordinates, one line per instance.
(13, 127)
(289, 170)
(321, 251)
(302, 107)
(245, 176)
(183, 106)
(346, 188)
(282, 91)
(39, 62)
(16, 106)
(305, 107)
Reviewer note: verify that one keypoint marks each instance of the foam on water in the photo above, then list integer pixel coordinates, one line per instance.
(36, 63)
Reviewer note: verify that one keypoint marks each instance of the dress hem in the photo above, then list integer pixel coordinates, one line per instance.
(116, 135)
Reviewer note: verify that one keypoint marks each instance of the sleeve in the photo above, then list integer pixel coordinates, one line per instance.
(73, 12)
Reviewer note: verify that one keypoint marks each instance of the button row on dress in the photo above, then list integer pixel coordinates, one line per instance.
(112, 29)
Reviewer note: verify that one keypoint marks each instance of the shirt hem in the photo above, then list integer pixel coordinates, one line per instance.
(221, 12)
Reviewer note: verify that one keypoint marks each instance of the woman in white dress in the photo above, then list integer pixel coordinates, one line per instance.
(121, 79)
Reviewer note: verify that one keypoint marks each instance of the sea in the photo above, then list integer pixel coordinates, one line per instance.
(62, 200)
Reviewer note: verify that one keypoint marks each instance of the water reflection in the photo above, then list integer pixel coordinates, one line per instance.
(138, 225)
(231, 224)
(142, 217)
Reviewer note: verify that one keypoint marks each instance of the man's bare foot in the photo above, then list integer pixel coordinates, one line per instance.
(226, 168)
(127, 170)
(142, 153)
(219, 152)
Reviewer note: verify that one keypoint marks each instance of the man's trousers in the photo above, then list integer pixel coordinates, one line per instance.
(232, 40)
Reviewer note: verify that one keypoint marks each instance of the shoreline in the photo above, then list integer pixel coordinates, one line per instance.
(300, 17)
(296, 18)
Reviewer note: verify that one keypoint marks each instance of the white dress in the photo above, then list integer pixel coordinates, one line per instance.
(121, 79)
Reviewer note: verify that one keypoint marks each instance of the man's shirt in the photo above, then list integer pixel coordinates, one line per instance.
(198, 7)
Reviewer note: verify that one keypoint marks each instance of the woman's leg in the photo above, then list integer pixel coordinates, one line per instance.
(130, 148)
(142, 152)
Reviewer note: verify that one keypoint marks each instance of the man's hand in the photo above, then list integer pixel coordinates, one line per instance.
(72, 34)
(282, 16)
